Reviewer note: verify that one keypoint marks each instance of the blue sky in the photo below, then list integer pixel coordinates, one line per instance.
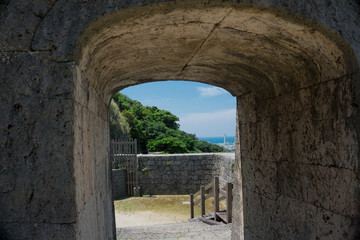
(203, 109)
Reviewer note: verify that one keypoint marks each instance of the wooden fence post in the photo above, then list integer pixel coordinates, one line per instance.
(202, 192)
(229, 187)
(192, 205)
(216, 197)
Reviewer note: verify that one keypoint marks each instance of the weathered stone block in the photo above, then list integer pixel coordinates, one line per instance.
(37, 134)
(261, 177)
(329, 188)
(119, 186)
(36, 231)
(184, 178)
(19, 23)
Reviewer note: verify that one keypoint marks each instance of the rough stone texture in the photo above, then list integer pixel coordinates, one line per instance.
(301, 176)
(176, 173)
(35, 109)
(119, 187)
(95, 210)
(182, 173)
(220, 42)
(297, 84)
(20, 21)
(49, 231)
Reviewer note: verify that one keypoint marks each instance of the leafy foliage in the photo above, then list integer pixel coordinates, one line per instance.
(204, 146)
(118, 125)
(156, 130)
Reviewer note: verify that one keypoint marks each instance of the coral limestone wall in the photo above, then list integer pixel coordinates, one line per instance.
(176, 173)
(182, 173)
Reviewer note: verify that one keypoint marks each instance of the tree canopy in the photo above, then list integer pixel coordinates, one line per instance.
(156, 130)
(118, 125)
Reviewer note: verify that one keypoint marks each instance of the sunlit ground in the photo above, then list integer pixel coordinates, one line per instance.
(157, 209)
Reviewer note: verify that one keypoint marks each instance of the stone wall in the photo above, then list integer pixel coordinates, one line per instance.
(119, 187)
(224, 166)
(297, 167)
(293, 66)
(182, 173)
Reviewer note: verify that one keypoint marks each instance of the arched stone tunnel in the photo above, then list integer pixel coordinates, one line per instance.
(292, 66)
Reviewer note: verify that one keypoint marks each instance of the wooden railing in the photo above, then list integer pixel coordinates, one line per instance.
(213, 190)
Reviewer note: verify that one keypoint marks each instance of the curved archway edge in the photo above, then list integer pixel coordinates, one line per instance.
(296, 83)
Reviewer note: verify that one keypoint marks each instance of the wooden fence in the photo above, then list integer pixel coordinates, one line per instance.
(214, 190)
(124, 156)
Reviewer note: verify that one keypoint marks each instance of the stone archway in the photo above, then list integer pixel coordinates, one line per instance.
(283, 70)
(296, 84)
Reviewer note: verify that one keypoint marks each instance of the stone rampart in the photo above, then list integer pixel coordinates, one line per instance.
(177, 173)
(182, 173)
(119, 183)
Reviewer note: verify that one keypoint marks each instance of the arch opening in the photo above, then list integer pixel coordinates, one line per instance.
(205, 113)
(292, 79)
(198, 109)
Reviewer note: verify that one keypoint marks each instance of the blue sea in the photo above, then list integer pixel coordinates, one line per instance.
(229, 139)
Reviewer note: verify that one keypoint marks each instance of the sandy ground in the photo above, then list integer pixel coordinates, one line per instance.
(145, 218)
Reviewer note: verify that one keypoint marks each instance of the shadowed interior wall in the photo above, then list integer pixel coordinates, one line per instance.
(296, 82)
(95, 211)
(299, 163)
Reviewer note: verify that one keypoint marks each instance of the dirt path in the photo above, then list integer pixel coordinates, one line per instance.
(176, 231)
(141, 218)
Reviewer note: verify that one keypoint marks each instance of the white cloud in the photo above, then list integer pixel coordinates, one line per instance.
(210, 91)
(210, 124)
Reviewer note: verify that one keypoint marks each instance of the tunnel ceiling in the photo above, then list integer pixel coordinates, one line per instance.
(239, 47)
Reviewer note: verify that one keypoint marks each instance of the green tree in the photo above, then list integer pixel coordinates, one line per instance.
(204, 146)
(168, 145)
(155, 130)
(158, 130)
(167, 118)
(119, 127)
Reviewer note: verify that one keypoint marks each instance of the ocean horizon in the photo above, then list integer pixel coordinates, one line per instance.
(228, 139)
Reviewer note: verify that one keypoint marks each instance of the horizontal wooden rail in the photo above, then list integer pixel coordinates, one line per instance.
(207, 196)
(222, 192)
(207, 188)
(220, 199)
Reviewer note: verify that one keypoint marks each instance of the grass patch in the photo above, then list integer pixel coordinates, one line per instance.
(162, 204)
